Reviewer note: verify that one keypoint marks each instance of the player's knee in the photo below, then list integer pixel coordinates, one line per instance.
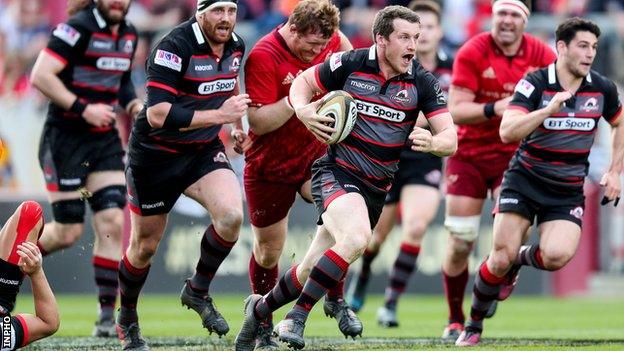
(228, 223)
(68, 234)
(415, 229)
(267, 254)
(109, 223)
(555, 258)
(459, 248)
(465, 228)
(146, 250)
(68, 211)
(113, 196)
(501, 259)
(359, 242)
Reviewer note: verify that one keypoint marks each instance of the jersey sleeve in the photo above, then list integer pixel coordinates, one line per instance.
(465, 73)
(526, 96)
(18, 333)
(432, 100)
(332, 74)
(260, 78)
(68, 40)
(613, 106)
(165, 68)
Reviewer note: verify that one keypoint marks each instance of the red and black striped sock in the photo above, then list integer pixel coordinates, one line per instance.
(400, 274)
(214, 249)
(485, 291)
(106, 273)
(326, 274)
(530, 255)
(131, 281)
(287, 289)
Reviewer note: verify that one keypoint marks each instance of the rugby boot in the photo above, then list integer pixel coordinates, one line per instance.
(130, 337)
(105, 328)
(246, 338)
(356, 294)
(290, 331)
(469, 337)
(387, 317)
(348, 323)
(265, 340)
(452, 331)
(203, 305)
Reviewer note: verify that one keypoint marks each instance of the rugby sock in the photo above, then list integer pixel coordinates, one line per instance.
(367, 260)
(326, 274)
(337, 292)
(485, 291)
(214, 249)
(286, 290)
(454, 288)
(131, 280)
(401, 272)
(10, 280)
(261, 279)
(106, 272)
(530, 255)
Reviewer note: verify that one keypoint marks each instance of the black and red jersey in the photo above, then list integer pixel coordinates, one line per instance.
(387, 112)
(97, 62)
(557, 151)
(182, 69)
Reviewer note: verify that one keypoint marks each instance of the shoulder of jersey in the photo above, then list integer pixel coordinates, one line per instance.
(479, 42)
(84, 19)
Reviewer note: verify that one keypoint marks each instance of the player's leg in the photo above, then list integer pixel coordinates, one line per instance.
(419, 205)
(24, 225)
(67, 226)
(288, 289)
(559, 240)
(359, 282)
(218, 191)
(107, 200)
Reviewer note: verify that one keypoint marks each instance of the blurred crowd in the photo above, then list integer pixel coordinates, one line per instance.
(25, 26)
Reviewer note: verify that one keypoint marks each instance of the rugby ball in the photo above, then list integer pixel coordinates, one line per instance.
(340, 106)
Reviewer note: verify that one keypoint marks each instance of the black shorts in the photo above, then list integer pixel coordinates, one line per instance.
(330, 181)
(67, 156)
(158, 178)
(424, 169)
(13, 331)
(531, 198)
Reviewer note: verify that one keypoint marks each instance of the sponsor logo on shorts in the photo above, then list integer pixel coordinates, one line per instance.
(221, 157)
(9, 281)
(352, 186)
(567, 123)
(67, 33)
(433, 177)
(217, 86)
(577, 212)
(168, 59)
(379, 111)
(6, 333)
(508, 200)
(69, 181)
(113, 64)
(154, 205)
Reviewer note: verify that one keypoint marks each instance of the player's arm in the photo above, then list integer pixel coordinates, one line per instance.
(613, 114)
(268, 118)
(242, 142)
(45, 321)
(303, 88)
(127, 95)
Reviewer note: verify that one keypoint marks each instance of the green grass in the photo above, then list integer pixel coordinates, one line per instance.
(524, 323)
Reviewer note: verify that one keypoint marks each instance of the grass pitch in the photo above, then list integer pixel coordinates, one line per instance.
(522, 323)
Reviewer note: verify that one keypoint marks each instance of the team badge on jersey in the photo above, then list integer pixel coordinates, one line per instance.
(128, 47)
(66, 33)
(525, 88)
(168, 59)
(235, 64)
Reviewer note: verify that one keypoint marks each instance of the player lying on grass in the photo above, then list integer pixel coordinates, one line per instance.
(20, 256)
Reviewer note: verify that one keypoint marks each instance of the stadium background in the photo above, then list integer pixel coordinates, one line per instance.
(597, 270)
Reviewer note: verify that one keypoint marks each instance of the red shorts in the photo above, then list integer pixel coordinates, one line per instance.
(269, 202)
(474, 178)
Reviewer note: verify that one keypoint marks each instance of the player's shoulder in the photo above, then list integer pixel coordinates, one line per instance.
(268, 48)
(238, 44)
(479, 43)
(445, 59)
(178, 38)
(534, 42)
(85, 20)
(539, 76)
(421, 75)
(603, 83)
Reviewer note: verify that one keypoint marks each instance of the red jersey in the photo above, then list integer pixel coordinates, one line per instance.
(480, 66)
(286, 154)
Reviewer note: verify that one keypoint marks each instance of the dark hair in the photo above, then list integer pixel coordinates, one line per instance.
(315, 16)
(426, 6)
(383, 20)
(567, 30)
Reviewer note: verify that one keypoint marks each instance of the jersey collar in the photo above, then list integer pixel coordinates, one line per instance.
(202, 42)
(101, 22)
(553, 80)
(373, 63)
(522, 50)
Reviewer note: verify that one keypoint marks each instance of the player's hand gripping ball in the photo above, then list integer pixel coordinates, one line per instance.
(340, 106)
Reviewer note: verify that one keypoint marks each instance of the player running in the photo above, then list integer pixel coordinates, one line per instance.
(19, 256)
(416, 185)
(555, 113)
(85, 72)
(280, 157)
(485, 71)
(192, 89)
(350, 182)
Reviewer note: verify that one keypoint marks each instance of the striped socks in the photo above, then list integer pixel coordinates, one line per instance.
(400, 274)
(214, 249)
(106, 272)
